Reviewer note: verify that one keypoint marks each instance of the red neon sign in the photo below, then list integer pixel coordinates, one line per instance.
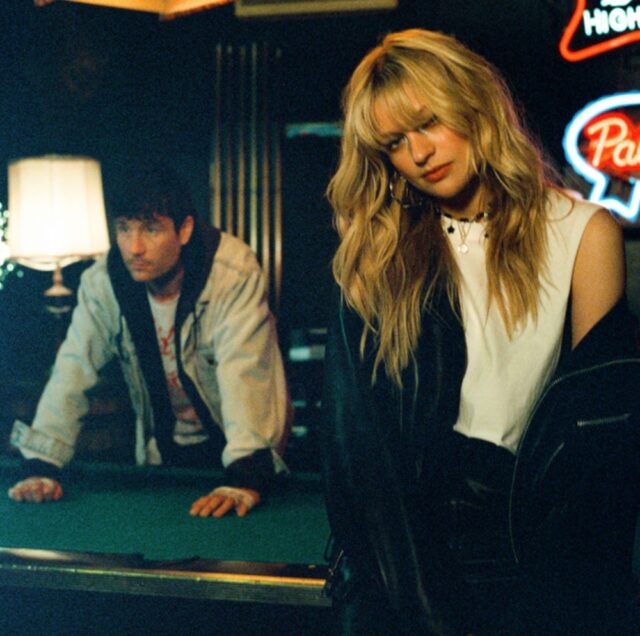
(602, 144)
(614, 144)
(598, 21)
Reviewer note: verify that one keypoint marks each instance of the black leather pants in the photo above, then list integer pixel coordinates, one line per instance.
(472, 510)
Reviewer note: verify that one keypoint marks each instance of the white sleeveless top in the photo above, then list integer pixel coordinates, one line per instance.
(504, 377)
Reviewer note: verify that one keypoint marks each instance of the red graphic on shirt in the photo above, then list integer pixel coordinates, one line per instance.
(167, 350)
(182, 408)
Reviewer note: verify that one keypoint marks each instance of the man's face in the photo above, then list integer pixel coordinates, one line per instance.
(150, 248)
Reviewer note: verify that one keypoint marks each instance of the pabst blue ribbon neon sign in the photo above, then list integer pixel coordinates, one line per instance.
(602, 143)
(600, 26)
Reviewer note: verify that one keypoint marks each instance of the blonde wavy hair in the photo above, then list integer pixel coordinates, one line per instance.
(391, 257)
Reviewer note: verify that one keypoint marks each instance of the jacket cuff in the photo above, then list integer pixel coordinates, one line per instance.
(39, 468)
(255, 471)
(30, 440)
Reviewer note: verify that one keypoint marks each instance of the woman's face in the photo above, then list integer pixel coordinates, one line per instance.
(433, 158)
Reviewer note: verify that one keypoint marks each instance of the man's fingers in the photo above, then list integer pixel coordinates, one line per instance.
(33, 493)
(213, 506)
(195, 506)
(36, 490)
(198, 505)
(206, 505)
(49, 489)
(227, 504)
(223, 499)
(56, 492)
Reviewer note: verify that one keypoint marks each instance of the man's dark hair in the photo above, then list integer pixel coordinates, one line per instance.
(151, 190)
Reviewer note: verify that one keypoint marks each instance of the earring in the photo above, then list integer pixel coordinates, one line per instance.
(406, 201)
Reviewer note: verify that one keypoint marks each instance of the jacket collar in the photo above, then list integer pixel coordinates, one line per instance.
(132, 298)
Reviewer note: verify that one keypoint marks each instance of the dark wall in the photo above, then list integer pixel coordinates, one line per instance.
(120, 85)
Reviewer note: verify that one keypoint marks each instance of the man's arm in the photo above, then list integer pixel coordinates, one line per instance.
(255, 405)
(49, 442)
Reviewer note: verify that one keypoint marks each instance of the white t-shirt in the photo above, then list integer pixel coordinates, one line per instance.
(188, 428)
(505, 377)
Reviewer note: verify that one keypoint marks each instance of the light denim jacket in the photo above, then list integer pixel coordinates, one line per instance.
(229, 350)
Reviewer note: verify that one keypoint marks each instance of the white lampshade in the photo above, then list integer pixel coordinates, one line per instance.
(56, 211)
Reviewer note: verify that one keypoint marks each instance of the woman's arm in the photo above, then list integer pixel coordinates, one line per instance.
(599, 274)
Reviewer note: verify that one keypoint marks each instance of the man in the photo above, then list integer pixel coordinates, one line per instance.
(183, 308)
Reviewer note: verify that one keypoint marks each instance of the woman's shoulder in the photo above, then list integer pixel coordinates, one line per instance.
(564, 204)
(602, 234)
(599, 273)
(567, 208)
(569, 215)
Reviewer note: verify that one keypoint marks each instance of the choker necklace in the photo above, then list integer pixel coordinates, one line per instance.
(464, 227)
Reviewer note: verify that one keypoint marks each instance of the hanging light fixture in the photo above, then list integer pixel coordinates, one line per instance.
(166, 9)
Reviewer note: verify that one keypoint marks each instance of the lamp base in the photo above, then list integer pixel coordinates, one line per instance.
(58, 294)
(57, 289)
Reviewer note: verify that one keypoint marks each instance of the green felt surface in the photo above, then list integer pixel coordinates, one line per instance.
(130, 510)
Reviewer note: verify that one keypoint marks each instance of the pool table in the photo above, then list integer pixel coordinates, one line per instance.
(125, 530)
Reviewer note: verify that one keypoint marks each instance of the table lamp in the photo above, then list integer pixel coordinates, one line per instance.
(56, 214)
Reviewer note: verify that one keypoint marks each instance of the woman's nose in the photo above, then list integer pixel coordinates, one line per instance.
(420, 147)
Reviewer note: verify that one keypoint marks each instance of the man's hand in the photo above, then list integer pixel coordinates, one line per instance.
(219, 501)
(36, 490)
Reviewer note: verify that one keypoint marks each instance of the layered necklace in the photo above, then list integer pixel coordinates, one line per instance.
(463, 226)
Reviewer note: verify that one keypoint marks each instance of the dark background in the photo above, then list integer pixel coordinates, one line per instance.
(120, 85)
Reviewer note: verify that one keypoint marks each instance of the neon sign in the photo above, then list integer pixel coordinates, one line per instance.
(603, 143)
(600, 29)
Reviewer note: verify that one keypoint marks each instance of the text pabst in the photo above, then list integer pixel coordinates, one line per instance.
(614, 142)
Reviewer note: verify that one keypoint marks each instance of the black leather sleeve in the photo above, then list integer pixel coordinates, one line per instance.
(366, 486)
(575, 493)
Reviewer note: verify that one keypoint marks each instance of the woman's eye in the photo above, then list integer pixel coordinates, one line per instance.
(429, 123)
(394, 144)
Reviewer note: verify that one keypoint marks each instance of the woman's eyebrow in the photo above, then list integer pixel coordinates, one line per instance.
(389, 135)
(411, 120)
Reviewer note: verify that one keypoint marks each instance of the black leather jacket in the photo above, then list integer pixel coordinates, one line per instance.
(382, 448)
(574, 495)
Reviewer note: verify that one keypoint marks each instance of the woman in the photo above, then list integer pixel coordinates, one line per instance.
(460, 272)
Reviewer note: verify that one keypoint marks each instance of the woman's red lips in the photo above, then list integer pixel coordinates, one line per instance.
(437, 173)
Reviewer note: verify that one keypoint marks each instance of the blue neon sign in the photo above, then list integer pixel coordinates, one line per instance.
(628, 208)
